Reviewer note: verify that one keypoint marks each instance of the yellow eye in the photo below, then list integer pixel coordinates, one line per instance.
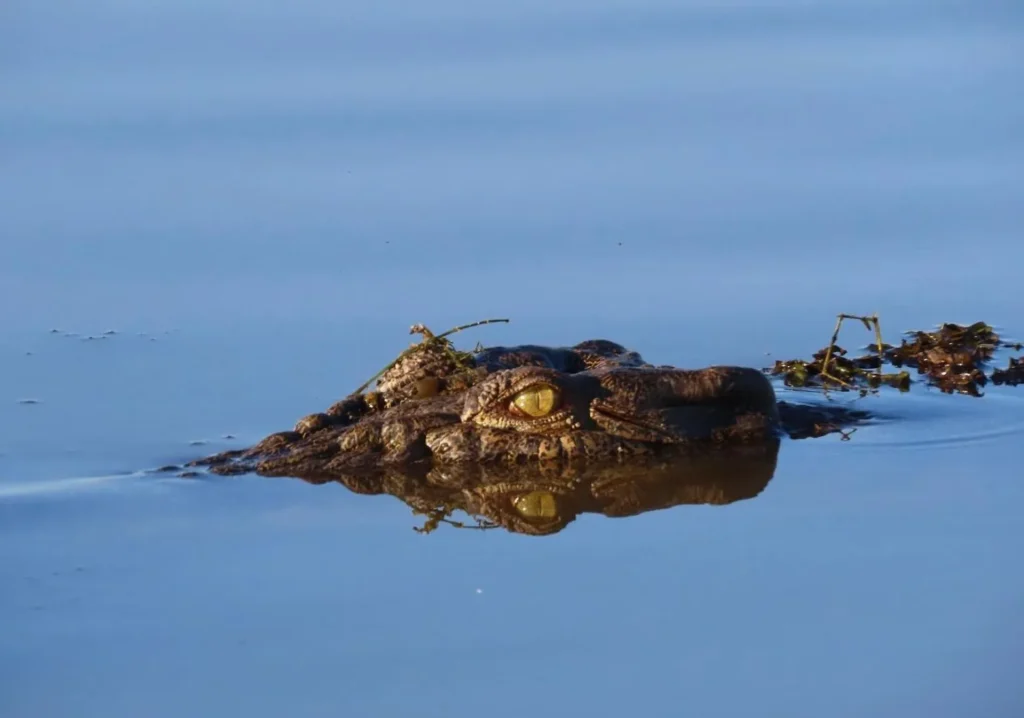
(536, 505)
(536, 401)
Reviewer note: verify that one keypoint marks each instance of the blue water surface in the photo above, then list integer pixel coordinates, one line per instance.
(258, 200)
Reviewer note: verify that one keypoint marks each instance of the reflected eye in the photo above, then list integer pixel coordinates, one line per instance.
(536, 505)
(536, 401)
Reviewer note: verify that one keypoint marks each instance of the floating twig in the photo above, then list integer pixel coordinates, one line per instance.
(870, 322)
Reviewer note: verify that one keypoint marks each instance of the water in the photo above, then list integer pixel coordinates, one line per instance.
(259, 200)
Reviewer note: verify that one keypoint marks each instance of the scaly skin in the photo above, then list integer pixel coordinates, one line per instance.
(596, 401)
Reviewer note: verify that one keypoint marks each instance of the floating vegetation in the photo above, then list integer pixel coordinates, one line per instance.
(953, 358)
(831, 368)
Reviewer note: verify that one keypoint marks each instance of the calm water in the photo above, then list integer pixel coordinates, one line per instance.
(260, 201)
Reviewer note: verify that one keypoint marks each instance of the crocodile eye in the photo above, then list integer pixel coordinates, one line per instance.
(536, 505)
(536, 401)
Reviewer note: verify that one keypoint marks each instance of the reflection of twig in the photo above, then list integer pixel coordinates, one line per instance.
(439, 515)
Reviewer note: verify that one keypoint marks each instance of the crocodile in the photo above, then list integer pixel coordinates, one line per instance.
(596, 401)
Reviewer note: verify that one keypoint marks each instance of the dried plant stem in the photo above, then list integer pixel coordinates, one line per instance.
(870, 322)
(471, 325)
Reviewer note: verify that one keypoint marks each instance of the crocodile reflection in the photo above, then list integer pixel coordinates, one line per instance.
(541, 500)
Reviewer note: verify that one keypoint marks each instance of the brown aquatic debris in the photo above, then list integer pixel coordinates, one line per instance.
(954, 358)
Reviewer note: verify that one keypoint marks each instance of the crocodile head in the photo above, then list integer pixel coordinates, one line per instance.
(596, 401)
